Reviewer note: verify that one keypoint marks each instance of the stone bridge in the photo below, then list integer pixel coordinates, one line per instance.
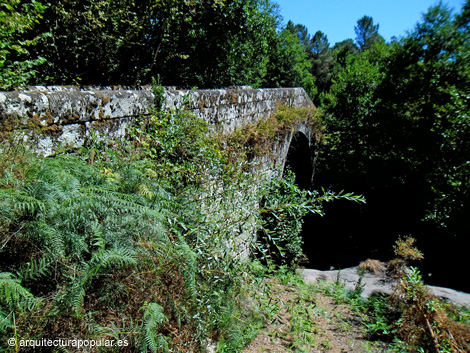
(48, 116)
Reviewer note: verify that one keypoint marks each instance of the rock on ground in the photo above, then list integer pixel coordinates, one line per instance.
(378, 284)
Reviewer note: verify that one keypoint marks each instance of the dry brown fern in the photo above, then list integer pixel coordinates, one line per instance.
(372, 266)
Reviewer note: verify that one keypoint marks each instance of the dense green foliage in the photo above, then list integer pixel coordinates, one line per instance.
(188, 43)
(203, 43)
(146, 240)
(399, 115)
(288, 64)
(17, 65)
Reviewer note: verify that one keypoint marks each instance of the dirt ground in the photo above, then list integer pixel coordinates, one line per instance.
(312, 322)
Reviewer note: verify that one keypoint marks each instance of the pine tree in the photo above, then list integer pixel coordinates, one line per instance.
(367, 33)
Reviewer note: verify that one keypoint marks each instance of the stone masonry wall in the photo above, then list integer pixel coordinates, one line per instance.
(46, 116)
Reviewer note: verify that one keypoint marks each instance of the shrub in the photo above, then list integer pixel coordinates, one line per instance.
(283, 210)
(413, 318)
(372, 266)
(16, 66)
(424, 325)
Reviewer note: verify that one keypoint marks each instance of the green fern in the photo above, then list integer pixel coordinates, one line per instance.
(101, 262)
(37, 268)
(187, 260)
(20, 201)
(13, 298)
(118, 258)
(73, 296)
(11, 290)
(5, 320)
(153, 319)
(144, 190)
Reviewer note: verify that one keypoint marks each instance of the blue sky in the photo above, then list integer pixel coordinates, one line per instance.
(337, 18)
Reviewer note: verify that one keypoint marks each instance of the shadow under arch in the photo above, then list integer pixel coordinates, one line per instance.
(320, 251)
(300, 160)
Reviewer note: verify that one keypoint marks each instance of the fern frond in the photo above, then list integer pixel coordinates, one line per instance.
(11, 290)
(144, 190)
(153, 319)
(46, 234)
(5, 320)
(118, 258)
(20, 201)
(54, 192)
(98, 239)
(76, 295)
(37, 268)
(75, 243)
(105, 200)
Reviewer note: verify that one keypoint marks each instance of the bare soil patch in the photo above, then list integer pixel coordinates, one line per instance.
(311, 321)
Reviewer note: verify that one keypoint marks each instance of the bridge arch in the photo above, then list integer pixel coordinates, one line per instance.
(300, 159)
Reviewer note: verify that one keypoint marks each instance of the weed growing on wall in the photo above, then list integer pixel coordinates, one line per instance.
(258, 138)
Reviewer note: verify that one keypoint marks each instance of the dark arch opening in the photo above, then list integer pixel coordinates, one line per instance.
(322, 251)
(299, 160)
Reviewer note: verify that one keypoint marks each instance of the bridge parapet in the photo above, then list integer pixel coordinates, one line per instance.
(46, 116)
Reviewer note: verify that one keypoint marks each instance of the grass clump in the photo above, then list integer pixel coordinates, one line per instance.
(372, 266)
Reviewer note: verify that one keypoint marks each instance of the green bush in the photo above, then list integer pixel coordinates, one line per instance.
(283, 210)
(17, 67)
